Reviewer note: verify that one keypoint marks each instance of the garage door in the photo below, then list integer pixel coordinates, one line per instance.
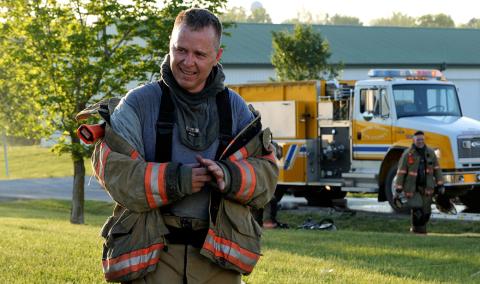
(469, 93)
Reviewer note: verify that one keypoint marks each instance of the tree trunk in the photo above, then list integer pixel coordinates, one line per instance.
(78, 196)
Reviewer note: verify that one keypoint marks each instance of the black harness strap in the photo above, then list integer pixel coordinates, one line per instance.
(224, 110)
(166, 119)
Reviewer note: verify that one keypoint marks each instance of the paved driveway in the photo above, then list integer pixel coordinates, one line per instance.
(46, 188)
(61, 188)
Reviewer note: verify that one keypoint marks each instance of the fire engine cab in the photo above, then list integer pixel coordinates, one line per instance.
(346, 136)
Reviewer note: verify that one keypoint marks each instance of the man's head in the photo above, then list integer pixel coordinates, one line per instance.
(419, 139)
(194, 48)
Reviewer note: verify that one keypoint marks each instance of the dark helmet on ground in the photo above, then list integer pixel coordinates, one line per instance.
(445, 204)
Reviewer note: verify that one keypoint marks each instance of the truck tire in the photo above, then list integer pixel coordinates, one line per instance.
(390, 189)
(471, 200)
(324, 197)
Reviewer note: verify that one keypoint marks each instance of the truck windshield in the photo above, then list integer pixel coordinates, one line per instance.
(426, 100)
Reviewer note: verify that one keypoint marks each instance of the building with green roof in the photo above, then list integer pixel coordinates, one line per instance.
(248, 51)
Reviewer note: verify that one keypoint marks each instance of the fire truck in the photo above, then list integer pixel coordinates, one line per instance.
(347, 136)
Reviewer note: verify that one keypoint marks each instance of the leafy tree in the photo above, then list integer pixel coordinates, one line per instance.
(436, 21)
(343, 20)
(71, 53)
(259, 15)
(396, 20)
(234, 15)
(474, 23)
(301, 55)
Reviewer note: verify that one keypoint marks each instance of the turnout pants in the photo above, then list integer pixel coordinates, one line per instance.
(421, 209)
(184, 264)
(181, 261)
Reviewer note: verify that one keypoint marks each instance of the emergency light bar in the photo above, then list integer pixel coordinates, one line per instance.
(405, 73)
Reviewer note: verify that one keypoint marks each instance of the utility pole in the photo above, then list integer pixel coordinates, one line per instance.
(5, 152)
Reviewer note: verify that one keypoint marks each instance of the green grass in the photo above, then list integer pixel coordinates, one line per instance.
(39, 245)
(36, 162)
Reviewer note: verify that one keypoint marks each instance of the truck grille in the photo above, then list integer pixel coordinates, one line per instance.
(469, 148)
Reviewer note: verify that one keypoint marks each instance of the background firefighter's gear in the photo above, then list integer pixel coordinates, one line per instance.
(419, 173)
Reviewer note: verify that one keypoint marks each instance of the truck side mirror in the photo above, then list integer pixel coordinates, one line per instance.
(367, 115)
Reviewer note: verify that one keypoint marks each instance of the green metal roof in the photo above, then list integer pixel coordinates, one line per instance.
(251, 44)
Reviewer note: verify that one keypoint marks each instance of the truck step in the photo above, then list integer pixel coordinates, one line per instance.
(362, 175)
(359, 189)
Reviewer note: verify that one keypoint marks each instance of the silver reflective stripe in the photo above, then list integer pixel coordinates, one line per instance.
(247, 176)
(238, 155)
(154, 184)
(130, 262)
(232, 252)
(102, 160)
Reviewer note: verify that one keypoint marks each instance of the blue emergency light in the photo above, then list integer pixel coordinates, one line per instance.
(405, 73)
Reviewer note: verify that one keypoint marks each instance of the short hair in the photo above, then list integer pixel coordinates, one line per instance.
(419, 132)
(197, 19)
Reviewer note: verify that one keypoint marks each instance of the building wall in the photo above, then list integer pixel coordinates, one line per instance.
(241, 75)
(466, 80)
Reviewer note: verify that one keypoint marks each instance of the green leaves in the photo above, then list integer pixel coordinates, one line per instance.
(301, 55)
(60, 56)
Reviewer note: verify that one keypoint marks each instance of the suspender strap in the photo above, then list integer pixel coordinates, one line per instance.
(166, 118)
(225, 118)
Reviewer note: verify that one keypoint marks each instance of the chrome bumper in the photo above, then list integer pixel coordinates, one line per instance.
(461, 179)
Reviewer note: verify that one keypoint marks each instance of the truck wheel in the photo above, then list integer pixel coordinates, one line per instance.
(390, 189)
(324, 197)
(471, 200)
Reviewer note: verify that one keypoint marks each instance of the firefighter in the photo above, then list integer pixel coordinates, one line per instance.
(184, 159)
(418, 176)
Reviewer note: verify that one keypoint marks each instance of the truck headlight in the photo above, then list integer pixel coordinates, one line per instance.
(478, 177)
(437, 153)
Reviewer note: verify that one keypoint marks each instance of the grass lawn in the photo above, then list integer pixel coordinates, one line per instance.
(36, 162)
(39, 245)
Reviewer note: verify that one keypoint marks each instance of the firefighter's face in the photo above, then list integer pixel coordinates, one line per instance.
(193, 54)
(419, 141)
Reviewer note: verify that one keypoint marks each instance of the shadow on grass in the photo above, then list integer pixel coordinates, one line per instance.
(452, 259)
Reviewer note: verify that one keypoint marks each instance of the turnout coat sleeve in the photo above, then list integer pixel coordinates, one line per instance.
(402, 170)
(251, 172)
(131, 181)
(437, 171)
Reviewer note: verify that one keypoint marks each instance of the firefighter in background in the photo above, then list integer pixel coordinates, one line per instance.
(418, 176)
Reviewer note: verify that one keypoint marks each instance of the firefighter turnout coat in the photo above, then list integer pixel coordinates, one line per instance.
(134, 234)
(407, 172)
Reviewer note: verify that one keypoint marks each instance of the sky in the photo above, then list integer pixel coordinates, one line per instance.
(461, 11)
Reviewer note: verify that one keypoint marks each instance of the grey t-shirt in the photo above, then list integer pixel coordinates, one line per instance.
(145, 102)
